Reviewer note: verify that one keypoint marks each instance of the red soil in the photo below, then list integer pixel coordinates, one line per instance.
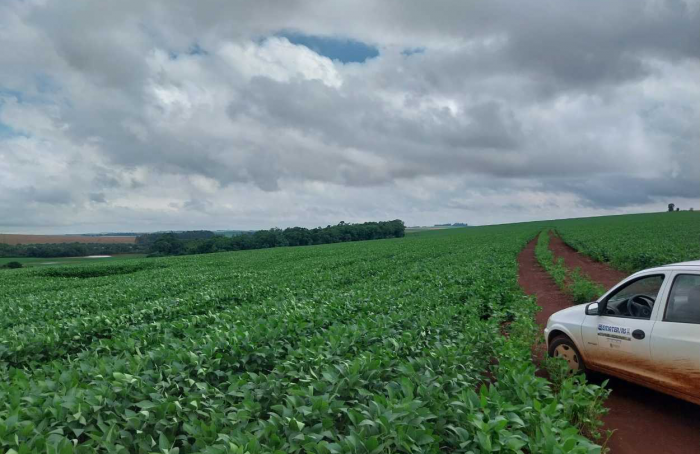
(644, 420)
(55, 239)
(596, 271)
(534, 280)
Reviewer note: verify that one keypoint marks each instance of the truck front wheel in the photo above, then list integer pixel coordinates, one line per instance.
(563, 347)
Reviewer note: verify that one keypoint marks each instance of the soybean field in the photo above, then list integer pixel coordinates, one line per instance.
(417, 345)
(634, 242)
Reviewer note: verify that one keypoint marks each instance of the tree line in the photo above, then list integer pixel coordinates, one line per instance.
(204, 241)
(175, 244)
(67, 249)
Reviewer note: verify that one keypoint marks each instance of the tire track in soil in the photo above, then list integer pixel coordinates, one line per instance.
(645, 421)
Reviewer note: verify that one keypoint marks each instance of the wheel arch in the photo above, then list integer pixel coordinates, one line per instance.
(560, 329)
(556, 333)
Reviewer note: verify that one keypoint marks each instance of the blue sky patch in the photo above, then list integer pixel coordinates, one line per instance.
(343, 50)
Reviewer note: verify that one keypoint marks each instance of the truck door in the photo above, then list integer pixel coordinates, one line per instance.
(675, 339)
(619, 338)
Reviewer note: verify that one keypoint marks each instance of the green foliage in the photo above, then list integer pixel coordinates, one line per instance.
(584, 403)
(13, 265)
(634, 242)
(582, 289)
(545, 257)
(88, 271)
(371, 347)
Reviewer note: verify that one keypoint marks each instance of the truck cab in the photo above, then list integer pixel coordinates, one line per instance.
(646, 329)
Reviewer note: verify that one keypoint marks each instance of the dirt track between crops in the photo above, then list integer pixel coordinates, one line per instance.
(644, 421)
(596, 271)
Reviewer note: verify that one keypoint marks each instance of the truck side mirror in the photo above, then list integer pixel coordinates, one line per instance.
(593, 309)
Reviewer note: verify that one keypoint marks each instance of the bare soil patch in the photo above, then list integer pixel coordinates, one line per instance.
(645, 421)
(7, 238)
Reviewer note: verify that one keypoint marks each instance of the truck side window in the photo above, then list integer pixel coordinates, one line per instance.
(635, 299)
(684, 301)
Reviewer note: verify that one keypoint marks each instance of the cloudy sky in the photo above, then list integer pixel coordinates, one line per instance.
(138, 116)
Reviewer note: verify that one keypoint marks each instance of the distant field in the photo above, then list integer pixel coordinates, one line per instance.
(424, 229)
(41, 261)
(54, 239)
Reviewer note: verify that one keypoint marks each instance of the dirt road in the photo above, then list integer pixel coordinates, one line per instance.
(644, 421)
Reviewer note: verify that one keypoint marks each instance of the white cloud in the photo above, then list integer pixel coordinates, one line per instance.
(278, 59)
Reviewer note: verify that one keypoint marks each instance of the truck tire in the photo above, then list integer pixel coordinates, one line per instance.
(563, 347)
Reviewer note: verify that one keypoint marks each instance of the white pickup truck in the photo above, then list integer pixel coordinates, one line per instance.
(646, 330)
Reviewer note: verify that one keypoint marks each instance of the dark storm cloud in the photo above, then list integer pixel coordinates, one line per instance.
(581, 44)
(354, 118)
(429, 141)
(623, 190)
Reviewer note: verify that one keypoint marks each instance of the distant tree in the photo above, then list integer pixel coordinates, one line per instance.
(204, 247)
(678, 209)
(150, 238)
(691, 209)
(671, 206)
(168, 244)
(14, 265)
